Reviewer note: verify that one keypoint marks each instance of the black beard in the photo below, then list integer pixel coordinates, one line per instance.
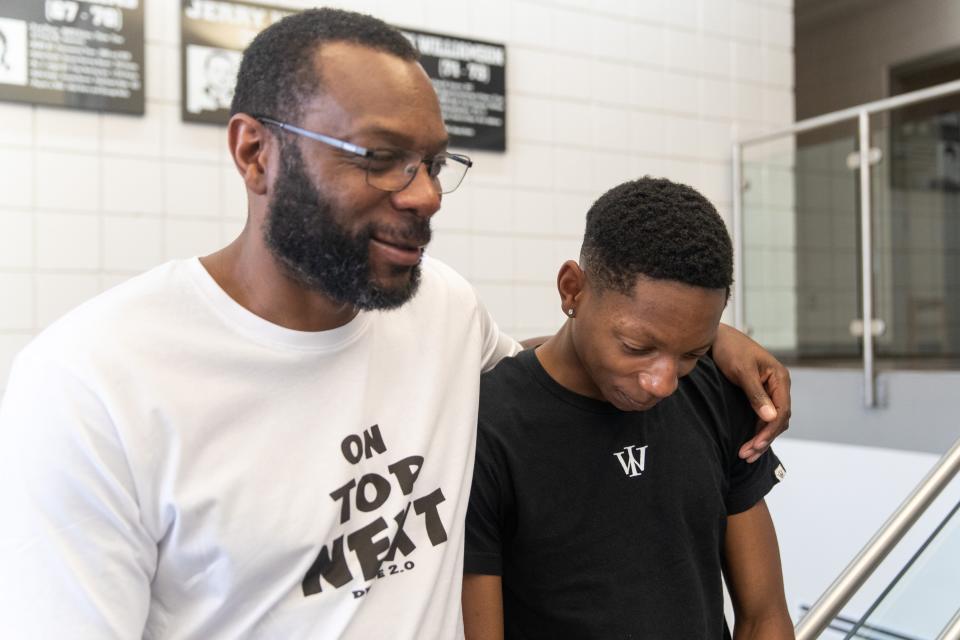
(320, 254)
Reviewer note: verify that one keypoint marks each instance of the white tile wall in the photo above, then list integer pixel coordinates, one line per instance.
(598, 91)
(233, 195)
(534, 212)
(132, 243)
(186, 238)
(16, 312)
(17, 127)
(67, 181)
(65, 129)
(454, 248)
(16, 240)
(193, 189)
(57, 293)
(133, 135)
(133, 185)
(16, 177)
(10, 345)
(68, 241)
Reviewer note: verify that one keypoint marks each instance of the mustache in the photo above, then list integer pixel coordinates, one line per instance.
(415, 233)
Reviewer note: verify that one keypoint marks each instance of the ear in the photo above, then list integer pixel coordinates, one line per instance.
(570, 283)
(249, 147)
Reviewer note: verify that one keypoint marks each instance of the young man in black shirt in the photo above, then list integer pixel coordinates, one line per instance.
(608, 498)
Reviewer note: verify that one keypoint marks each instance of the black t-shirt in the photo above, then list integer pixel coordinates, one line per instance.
(604, 523)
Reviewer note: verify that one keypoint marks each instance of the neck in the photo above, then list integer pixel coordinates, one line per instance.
(249, 273)
(560, 360)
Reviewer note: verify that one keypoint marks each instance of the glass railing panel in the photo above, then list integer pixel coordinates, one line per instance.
(769, 244)
(925, 594)
(800, 253)
(801, 225)
(916, 191)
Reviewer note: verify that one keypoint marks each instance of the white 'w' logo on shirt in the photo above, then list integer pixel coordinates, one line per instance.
(628, 460)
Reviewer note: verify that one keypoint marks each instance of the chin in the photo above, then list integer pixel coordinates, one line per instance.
(624, 402)
(388, 293)
(397, 280)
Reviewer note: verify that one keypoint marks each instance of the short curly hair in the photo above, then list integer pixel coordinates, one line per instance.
(277, 74)
(659, 229)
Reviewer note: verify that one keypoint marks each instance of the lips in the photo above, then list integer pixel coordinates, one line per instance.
(398, 251)
(399, 244)
(629, 404)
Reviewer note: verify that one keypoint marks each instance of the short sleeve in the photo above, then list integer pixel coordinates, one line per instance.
(485, 512)
(77, 561)
(496, 344)
(749, 482)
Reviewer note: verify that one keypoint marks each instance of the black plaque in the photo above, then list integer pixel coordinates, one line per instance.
(470, 79)
(214, 34)
(468, 75)
(71, 53)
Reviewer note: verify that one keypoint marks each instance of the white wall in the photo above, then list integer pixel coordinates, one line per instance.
(599, 91)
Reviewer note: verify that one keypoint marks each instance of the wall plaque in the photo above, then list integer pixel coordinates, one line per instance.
(70, 53)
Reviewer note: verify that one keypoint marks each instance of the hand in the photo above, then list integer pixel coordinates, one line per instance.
(765, 381)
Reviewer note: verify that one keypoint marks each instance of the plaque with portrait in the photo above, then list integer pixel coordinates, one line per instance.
(72, 53)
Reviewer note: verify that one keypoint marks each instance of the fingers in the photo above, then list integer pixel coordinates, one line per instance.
(755, 389)
(778, 386)
(776, 383)
(756, 446)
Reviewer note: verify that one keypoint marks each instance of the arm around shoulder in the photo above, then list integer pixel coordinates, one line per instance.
(764, 380)
(482, 607)
(754, 577)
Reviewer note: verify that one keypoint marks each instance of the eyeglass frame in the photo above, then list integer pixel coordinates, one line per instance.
(367, 153)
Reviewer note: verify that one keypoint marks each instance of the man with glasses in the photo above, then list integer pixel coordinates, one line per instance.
(275, 440)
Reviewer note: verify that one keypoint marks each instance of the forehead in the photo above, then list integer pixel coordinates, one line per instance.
(665, 309)
(368, 90)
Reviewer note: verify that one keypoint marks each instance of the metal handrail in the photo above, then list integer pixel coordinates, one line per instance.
(882, 542)
(862, 114)
(852, 113)
(952, 630)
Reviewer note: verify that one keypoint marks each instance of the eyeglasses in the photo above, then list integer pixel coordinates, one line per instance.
(392, 169)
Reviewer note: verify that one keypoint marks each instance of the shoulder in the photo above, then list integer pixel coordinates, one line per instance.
(509, 378)
(438, 277)
(712, 395)
(507, 399)
(444, 293)
(510, 397)
(101, 323)
(707, 379)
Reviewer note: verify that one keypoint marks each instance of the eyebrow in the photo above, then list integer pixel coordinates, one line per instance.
(396, 138)
(653, 340)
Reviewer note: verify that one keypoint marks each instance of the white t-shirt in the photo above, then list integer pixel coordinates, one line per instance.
(174, 466)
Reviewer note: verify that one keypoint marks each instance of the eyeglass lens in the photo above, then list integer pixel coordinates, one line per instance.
(447, 172)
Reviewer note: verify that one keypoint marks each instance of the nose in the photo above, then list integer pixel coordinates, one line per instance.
(660, 379)
(421, 196)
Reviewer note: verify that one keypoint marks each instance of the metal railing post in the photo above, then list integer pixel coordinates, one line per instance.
(866, 273)
(738, 289)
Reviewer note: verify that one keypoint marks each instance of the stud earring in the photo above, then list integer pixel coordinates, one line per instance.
(570, 312)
